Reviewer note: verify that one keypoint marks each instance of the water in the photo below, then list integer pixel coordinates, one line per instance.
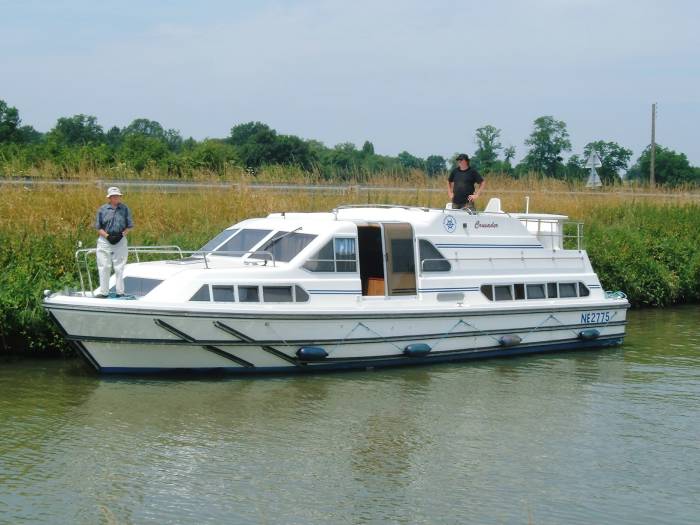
(606, 436)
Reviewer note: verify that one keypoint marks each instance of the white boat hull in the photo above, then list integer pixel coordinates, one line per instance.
(171, 341)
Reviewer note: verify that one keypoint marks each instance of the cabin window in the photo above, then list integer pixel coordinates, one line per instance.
(519, 291)
(552, 290)
(223, 294)
(583, 291)
(337, 255)
(242, 242)
(202, 294)
(503, 292)
(567, 290)
(216, 241)
(431, 259)
(284, 246)
(487, 290)
(138, 286)
(535, 291)
(277, 294)
(248, 294)
(300, 295)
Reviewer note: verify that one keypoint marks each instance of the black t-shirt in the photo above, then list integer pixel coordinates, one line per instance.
(464, 182)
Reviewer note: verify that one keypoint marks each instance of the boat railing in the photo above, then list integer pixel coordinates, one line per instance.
(556, 234)
(84, 255)
(439, 262)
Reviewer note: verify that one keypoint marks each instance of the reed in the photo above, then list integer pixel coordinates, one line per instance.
(647, 246)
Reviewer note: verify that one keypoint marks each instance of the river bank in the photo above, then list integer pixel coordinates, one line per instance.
(651, 251)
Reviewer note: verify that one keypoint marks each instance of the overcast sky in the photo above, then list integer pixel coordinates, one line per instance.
(407, 75)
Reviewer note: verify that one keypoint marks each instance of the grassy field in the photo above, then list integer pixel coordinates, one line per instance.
(644, 243)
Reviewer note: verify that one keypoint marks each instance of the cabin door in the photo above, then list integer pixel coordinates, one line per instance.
(399, 258)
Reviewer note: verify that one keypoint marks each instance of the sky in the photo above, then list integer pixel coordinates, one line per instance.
(406, 75)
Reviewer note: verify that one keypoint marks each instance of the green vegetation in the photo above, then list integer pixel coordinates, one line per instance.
(649, 251)
(79, 146)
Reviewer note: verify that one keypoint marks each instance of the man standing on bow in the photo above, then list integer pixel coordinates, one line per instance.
(112, 223)
(462, 182)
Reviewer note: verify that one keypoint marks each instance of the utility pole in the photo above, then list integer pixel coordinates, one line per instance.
(652, 180)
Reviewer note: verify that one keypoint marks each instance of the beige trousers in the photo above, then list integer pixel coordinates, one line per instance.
(109, 255)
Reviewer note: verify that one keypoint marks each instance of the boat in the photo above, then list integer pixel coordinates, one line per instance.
(358, 287)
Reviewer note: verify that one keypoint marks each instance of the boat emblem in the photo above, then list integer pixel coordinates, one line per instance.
(449, 223)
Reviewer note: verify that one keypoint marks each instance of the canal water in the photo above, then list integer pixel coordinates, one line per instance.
(593, 437)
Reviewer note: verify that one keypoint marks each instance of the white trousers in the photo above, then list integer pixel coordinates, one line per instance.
(109, 255)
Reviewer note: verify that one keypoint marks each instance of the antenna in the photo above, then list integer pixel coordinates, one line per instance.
(652, 178)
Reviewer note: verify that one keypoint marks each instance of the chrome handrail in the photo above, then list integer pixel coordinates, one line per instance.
(165, 249)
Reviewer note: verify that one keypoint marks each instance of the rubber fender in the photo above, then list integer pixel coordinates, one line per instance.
(509, 340)
(589, 334)
(417, 350)
(311, 353)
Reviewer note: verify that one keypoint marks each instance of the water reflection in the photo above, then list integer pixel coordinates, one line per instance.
(560, 438)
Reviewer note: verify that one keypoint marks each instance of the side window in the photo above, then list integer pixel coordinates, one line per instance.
(535, 291)
(583, 291)
(277, 294)
(248, 294)
(567, 289)
(503, 292)
(300, 295)
(552, 290)
(519, 291)
(337, 255)
(431, 259)
(223, 294)
(202, 294)
(345, 255)
(487, 290)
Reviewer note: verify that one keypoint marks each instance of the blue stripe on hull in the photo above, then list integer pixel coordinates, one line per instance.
(375, 363)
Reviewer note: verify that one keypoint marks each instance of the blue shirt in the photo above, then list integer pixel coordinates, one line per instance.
(113, 220)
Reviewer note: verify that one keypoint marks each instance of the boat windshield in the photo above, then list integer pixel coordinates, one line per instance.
(284, 246)
(244, 241)
(216, 241)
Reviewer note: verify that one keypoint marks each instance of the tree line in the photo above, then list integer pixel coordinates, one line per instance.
(79, 142)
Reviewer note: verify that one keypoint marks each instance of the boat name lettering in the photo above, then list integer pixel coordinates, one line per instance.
(595, 317)
(480, 224)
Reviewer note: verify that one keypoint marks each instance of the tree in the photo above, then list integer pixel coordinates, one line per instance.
(408, 161)
(368, 148)
(146, 127)
(488, 147)
(614, 159)
(671, 168)
(509, 154)
(9, 123)
(548, 140)
(435, 165)
(78, 130)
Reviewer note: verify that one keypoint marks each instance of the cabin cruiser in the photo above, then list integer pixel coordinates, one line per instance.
(358, 287)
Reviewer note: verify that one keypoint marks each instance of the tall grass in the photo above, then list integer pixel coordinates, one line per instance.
(648, 247)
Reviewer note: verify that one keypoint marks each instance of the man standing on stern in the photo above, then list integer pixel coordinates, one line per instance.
(461, 183)
(112, 223)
